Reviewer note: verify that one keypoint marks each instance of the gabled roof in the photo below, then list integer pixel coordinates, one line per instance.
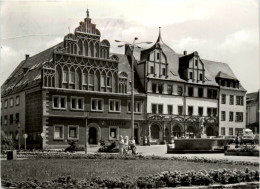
(252, 98)
(28, 73)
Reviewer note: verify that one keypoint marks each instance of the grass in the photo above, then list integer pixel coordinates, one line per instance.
(49, 169)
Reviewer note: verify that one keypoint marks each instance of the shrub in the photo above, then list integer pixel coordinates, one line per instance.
(7, 143)
(73, 146)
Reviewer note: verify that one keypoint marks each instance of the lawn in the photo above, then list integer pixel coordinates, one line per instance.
(49, 169)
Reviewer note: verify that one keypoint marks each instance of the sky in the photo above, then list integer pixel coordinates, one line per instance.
(219, 30)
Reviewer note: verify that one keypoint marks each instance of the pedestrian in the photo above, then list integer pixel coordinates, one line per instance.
(121, 145)
(126, 146)
(132, 145)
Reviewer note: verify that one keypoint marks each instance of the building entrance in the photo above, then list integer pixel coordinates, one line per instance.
(92, 135)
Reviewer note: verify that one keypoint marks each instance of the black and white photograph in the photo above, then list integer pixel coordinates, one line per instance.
(129, 94)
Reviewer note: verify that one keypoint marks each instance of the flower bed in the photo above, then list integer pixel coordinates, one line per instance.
(164, 179)
(244, 150)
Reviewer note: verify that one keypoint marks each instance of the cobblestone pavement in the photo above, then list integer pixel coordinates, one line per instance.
(160, 150)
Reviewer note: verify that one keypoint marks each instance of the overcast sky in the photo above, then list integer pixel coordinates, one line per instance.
(220, 30)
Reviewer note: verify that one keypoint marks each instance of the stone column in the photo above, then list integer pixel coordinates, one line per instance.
(149, 133)
(164, 136)
(171, 134)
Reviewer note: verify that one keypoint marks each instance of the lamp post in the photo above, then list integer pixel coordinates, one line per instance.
(19, 126)
(131, 47)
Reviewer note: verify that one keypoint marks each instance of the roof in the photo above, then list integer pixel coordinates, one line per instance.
(28, 73)
(252, 98)
(225, 76)
(124, 66)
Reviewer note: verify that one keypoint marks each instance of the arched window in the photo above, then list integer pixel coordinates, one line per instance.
(86, 48)
(80, 47)
(91, 47)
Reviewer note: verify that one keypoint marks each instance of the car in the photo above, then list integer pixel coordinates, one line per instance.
(248, 139)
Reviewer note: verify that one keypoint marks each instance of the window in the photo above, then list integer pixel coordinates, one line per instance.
(200, 92)
(85, 79)
(231, 84)
(96, 104)
(73, 132)
(223, 131)
(17, 100)
(17, 117)
(11, 102)
(72, 77)
(223, 115)
(65, 76)
(137, 107)
(190, 75)
(151, 70)
(11, 119)
(164, 71)
(91, 79)
(200, 111)
(237, 85)
(214, 112)
(154, 88)
(103, 80)
(190, 91)
(239, 116)
(59, 102)
(58, 132)
(6, 103)
(231, 100)
(114, 105)
(154, 108)
(113, 133)
(212, 93)
(169, 109)
(169, 89)
(108, 81)
(231, 131)
(158, 56)
(201, 77)
(231, 116)
(160, 88)
(180, 109)
(196, 62)
(77, 103)
(179, 90)
(239, 100)
(209, 112)
(238, 131)
(160, 108)
(223, 99)
(5, 119)
(190, 110)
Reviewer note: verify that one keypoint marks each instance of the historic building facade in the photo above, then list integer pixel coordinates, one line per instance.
(78, 90)
(82, 92)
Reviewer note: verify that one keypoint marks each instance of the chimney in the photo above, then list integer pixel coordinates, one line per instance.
(27, 56)
(184, 52)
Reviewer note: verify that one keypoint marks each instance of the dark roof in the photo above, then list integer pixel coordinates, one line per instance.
(252, 98)
(28, 73)
(225, 76)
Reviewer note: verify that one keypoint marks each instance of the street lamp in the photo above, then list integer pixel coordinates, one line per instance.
(19, 126)
(131, 47)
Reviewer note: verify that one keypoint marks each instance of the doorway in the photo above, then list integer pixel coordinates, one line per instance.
(136, 135)
(92, 135)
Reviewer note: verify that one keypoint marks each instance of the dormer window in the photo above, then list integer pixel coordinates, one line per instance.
(231, 84)
(201, 77)
(191, 75)
(158, 56)
(164, 71)
(196, 62)
(151, 70)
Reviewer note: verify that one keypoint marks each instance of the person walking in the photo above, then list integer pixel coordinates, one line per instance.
(121, 145)
(132, 145)
(126, 145)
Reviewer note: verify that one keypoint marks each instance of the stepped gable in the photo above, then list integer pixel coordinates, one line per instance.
(28, 73)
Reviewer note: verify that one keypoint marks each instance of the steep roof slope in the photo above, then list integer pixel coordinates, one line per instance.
(28, 73)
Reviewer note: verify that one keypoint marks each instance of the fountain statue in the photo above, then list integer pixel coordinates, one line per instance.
(203, 134)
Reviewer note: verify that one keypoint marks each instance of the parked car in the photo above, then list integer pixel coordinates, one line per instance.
(248, 139)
